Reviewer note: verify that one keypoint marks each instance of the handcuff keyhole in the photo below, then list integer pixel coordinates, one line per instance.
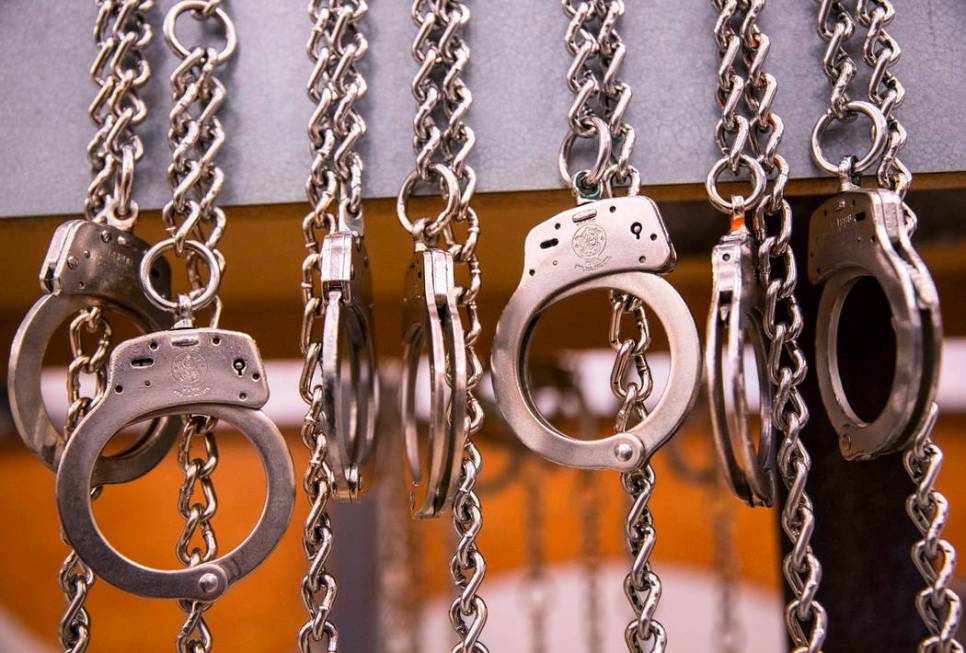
(860, 216)
(636, 228)
(239, 365)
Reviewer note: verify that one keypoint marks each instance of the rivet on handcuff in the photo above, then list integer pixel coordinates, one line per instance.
(860, 233)
(618, 243)
(184, 370)
(87, 264)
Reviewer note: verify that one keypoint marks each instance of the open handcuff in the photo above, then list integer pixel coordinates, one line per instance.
(618, 243)
(860, 233)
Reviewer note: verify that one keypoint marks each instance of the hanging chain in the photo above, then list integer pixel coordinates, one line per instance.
(442, 142)
(641, 585)
(195, 226)
(600, 100)
(334, 192)
(121, 33)
(755, 142)
(934, 557)
(537, 590)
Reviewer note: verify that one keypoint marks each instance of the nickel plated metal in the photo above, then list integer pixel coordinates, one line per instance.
(198, 371)
(869, 234)
(734, 320)
(619, 244)
(87, 265)
(119, 71)
(762, 309)
(441, 315)
(339, 380)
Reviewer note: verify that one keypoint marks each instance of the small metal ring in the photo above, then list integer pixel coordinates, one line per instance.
(197, 302)
(450, 184)
(880, 131)
(758, 179)
(596, 174)
(198, 7)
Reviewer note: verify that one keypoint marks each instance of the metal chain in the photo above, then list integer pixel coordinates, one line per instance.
(934, 557)
(75, 577)
(600, 99)
(121, 34)
(443, 141)
(196, 137)
(197, 509)
(738, 32)
(335, 86)
(641, 585)
(195, 226)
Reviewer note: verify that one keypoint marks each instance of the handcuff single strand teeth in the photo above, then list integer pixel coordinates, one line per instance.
(734, 321)
(88, 264)
(182, 371)
(621, 244)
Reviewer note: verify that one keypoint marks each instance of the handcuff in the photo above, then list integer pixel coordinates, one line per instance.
(181, 371)
(734, 320)
(87, 264)
(619, 244)
(348, 363)
(431, 322)
(859, 233)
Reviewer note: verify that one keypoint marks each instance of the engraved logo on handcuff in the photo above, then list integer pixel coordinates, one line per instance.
(589, 243)
(190, 370)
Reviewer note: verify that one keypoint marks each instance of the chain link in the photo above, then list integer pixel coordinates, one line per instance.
(121, 34)
(75, 577)
(443, 141)
(197, 503)
(600, 101)
(335, 86)
(195, 226)
(934, 557)
(737, 32)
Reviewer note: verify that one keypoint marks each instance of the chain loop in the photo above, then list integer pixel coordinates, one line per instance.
(600, 98)
(443, 141)
(334, 187)
(120, 71)
(121, 33)
(195, 226)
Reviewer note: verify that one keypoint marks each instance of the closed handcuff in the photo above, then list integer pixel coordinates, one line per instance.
(605, 242)
(180, 371)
